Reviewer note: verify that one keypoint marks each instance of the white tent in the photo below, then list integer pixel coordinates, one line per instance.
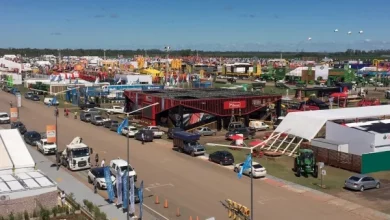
(307, 124)
(297, 71)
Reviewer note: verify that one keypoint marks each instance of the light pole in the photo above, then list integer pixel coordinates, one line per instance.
(251, 156)
(128, 143)
(56, 114)
(167, 48)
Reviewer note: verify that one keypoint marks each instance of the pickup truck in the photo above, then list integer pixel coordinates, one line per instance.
(156, 131)
(188, 143)
(83, 106)
(115, 110)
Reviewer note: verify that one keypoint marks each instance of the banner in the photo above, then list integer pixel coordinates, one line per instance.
(51, 133)
(132, 200)
(110, 189)
(18, 100)
(141, 198)
(322, 71)
(13, 114)
(119, 188)
(125, 190)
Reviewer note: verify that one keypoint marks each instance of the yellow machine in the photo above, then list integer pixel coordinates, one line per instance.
(376, 63)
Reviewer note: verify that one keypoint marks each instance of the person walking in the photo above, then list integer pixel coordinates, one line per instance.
(95, 186)
(103, 162)
(143, 138)
(97, 159)
(75, 115)
(63, 196)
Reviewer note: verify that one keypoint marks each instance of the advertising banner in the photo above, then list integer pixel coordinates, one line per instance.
(110, 188)
(125, 190)
(13, 114)
(141, 198)
(132, 200)
(51, 133)
(119, 188)
(234, 104)
(18, 100)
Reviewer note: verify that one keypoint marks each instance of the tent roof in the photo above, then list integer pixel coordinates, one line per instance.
(307, 124)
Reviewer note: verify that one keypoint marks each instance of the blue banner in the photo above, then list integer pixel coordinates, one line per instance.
(141, 198)
(125, 184)
(110, 189)
(132, 199)
(125, 123)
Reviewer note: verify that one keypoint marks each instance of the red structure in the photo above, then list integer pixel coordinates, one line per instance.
(189, 107)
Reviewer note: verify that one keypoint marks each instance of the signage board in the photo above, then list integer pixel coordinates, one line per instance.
(51, 133)
(234, 104)
(13, 114)
(18, 100)
(148, 98)
(323, 172)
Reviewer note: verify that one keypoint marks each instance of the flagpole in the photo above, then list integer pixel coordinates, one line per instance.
(128, 164)
(251, 184)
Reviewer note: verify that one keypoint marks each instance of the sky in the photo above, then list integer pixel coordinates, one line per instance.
(223, 25)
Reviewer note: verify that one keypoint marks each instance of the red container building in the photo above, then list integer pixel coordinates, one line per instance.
(188, 108)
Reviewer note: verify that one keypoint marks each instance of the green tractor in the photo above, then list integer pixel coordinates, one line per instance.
(305, 163)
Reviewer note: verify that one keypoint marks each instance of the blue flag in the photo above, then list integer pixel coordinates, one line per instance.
(110, 188)
(141, 198)
(53, 101)
(247, 165)
(125, 123)
(125, 191)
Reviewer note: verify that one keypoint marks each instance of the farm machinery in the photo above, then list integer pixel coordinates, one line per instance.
(305, 163)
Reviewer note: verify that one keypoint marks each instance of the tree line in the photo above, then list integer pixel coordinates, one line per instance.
(36, 52)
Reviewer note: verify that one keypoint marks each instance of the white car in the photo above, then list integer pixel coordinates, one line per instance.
(115, 110)
(4, 118)
(121, 166)
(46, 147)
(131, 131)
(98, 174)
(48, 101)
(258, 170)
(258, 125)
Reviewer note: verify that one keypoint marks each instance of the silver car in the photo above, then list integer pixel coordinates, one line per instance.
(361, 182)
(205, 131)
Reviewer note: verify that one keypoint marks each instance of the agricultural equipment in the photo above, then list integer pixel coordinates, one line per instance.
(368, 102)
(305, 163)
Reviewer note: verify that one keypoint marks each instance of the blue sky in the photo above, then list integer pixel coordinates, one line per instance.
(282, 25)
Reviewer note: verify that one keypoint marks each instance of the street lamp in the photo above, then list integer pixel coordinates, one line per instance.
(56, 113)
(251, 156)
(128, 142)
(167, 48)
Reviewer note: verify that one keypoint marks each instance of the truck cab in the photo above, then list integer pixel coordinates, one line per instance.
(76, 155)
(120, 165)
(188, 143)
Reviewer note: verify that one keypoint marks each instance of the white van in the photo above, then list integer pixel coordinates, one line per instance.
(4, 118)
(48, 101)
(258, 125)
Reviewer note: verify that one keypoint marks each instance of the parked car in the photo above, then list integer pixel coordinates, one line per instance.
(222, 157)
(97, 120)
(246, 132)
(46, 147)
(361, 182)
(28, 95)
(148, 135)
(31, 137)
(91, 110)
(115, 110)
(20, 126)
(98, 174)
(234, 125)
(258, 170)
(4, 118)
(85, 116)
(205, 131)
(7, 89)
(15, 91)
(35, 97)
(49, 101)
(129, 131)
(87, 105)
(157, 133)
(120, 165)
(114, 126)
(107, 123)
(173, 130)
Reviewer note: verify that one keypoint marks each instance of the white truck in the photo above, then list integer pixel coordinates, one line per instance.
(115, 110)
(76, 155)
(4, 118)
(156, 131)
(46, 147)
(120, 165)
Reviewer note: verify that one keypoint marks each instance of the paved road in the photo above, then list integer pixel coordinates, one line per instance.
(194, 186)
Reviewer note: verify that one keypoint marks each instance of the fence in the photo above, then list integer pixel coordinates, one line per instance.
(337, 159)
(375, 162)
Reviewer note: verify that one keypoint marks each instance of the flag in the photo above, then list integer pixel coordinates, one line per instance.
(132, 200)
(141, 198)
(53, 101)
(125, 190)
(52, 78)
(97, 80)
(107, 178)
(247, 165)
(119, 188)
(125, 123)
(76, 81)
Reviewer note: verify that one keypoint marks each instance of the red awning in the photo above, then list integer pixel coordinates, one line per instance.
(236, 137)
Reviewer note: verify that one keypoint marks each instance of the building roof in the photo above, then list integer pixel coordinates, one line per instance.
(13, 151)
(188, 94)
(307, 124)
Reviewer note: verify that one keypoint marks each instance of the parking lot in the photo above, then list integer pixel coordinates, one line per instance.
(187, 183)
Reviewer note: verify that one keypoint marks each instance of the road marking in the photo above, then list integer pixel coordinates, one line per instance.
(152, 186)
(59, 179)
(155, 212)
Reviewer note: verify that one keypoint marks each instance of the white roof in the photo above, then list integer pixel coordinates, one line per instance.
(307, 124)
(119, 162)
(16, 150)
(24, 181)
(75, 146)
